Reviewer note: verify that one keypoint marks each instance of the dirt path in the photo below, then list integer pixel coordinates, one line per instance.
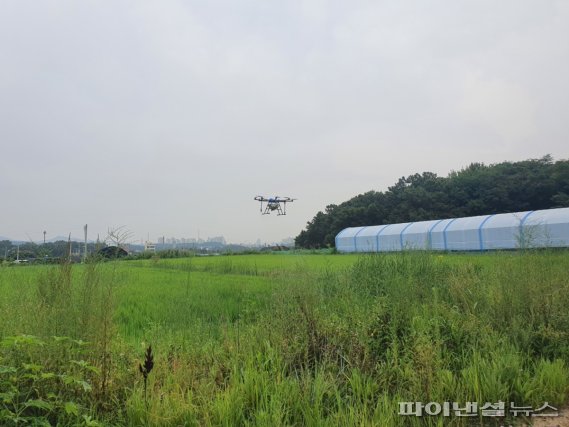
(561, 421)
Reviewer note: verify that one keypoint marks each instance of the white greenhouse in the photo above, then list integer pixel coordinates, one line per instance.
(531, 229)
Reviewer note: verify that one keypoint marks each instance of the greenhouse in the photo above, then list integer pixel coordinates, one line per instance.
(530, 229)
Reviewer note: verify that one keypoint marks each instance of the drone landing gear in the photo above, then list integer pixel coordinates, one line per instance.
(282, 211)
(274, 206)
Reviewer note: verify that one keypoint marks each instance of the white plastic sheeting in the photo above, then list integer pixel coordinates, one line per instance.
(545, 228)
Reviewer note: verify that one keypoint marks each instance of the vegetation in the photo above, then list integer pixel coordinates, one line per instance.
(475, 190)
(49, 251)
(281, 339)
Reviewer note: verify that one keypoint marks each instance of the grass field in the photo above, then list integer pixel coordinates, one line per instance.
(287, 339)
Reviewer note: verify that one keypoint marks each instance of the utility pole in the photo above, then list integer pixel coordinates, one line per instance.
(85, 252)
(44, 232)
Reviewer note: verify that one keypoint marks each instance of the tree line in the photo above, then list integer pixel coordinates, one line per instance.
(477, 189)
(9, 251)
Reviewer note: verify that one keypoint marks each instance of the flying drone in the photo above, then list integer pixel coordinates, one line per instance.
(274, 204)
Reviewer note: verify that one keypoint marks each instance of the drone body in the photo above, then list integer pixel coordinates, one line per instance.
(274, 204)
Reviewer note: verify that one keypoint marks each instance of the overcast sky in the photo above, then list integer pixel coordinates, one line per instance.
(168, 117)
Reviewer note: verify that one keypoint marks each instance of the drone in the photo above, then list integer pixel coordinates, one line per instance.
(274, 204)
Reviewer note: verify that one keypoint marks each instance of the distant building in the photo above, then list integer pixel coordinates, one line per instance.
(217, 239)
(149, 247)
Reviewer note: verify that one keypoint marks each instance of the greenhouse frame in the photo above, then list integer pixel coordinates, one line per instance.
(530, 229)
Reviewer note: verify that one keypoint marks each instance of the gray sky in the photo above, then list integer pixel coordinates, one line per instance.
(170, 116)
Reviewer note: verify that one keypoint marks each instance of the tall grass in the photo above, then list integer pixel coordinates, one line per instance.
(305, 340)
